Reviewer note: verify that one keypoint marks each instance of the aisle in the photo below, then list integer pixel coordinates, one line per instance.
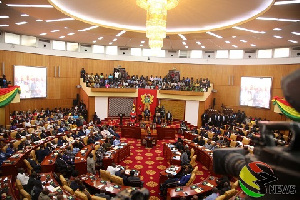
(150, 162)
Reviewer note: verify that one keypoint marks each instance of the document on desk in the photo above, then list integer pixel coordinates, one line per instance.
(198, 190)
(176, 157)
(109, 189)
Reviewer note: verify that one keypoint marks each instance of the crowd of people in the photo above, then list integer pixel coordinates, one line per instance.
(121, 79)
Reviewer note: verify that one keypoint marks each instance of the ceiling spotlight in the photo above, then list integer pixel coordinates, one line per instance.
(277, 36)
(234, 46)
(100, 38)
(227, 42)
(186, 47)
(71, 33)
(4, 17)
(184, 43)
(233, 36)
(203, 47)
(276, 29)
(110, 43)
(142, 42)
(253, 45)
(295, 33)
(115, 39)
(293, 41)
(94, 41)
(39, 20)
(21, 23)
(24, 15)
(54, 31)
(3, 25)
(62, 36)
(43, 34)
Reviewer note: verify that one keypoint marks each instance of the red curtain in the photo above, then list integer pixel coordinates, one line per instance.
(147, 97)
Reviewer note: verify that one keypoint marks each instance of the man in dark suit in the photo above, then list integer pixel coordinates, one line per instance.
(102, 194)
(171, 181)
(134, 180)
(147, 114)
(33, 164)
(169, 117)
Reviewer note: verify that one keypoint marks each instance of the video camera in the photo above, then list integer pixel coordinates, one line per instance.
(273, 171)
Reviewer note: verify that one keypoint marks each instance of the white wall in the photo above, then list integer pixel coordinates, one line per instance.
(101, 107)
(191, 112)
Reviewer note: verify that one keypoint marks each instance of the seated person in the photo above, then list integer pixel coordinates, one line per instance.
(107, 145)
(102, 194)
(23, 177)
(2, 156)
(10, 150)
(134, 181)
(116, 141)
(214, 195)
(43, 134)
(82, 189)
(41, 153)
(36, 167)
(208, 145)
(185, 178)
(112, 169)
(91, 165)
(169, 182)
(61, 141)
(75, 184)
(184, 158)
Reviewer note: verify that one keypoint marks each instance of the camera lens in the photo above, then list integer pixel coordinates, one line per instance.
(234, 162)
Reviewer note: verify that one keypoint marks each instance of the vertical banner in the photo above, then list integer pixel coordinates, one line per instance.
(147, 98)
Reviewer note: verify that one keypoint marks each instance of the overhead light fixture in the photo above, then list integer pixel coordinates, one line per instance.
(141, 45)
(3, 25)
(253, 45)
(235, 46)
(217, 36)
(182, 37)
(156, 22)
(286, 2)
(184, 43)
(71, 33)
(248, 30)
(276, 29)
(121, 33)
(62, 36)
(24, 15)
(293, 41)
(142, 42)
(100, 38)
(54, 31)
(29, 6)
(4, 17)
(233, 36)
(203, 47)
(43, 34)
(199, 43)
(94, 41)
(39, 20)
(110, 43)
(295, 33)
(186, 47)
(21, 23)
(60, 20)
(227, 42)
(243, 41)
(115, 39)
(277, 36)
(90, 28)
(278, 19)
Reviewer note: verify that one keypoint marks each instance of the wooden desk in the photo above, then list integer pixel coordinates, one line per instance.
(163, 175)
(189, 135)
(169, 155)
(7, 187)
(97, 183)
(11, 165)
(188, 192)
(166, 133)
(80, 159)
(48, 180)
(48, 164)
(117, 156)
(131, 132)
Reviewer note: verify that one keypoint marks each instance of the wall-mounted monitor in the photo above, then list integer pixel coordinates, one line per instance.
(32, 81)
(256, 91)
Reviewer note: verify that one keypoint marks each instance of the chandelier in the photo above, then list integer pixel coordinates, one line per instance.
(156, 20)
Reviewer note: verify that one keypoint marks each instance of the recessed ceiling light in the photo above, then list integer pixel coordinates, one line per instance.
(4, 17)
(43, 34)
(24, 15)
(186, 47)
(90, 28)
(94, 41)
(141, 45)
(293, 41)
(62, 36)
(21, 23)
(115, 39)
(182, 36)
(295, 33)
(253, 45)
(60, 20)
(198, 42)
(227, 42)
(71, 33)
(29, 6)
(233, 36)
(100, 38)
(278, 19)
(142, 42)
(234, 46)
(277, 36)
(184, 43)
(217, 36)
(121, 33)
(286, 2)
(39, 20)
(2, 25)
(203, 47)
(54, 31)
(110, 43)
(249, 30)
(243, 41)
(276, 29)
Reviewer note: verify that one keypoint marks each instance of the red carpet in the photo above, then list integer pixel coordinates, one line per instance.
(150, 162)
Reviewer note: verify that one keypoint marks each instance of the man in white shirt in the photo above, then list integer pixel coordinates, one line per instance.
(23, 177)
(112, 169)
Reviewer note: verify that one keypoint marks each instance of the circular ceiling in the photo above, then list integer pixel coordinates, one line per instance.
(188, 16)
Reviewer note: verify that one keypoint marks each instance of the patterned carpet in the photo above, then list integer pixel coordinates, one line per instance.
(151, 162)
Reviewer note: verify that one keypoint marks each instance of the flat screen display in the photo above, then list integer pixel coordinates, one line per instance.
(32, 81)
(256, 91)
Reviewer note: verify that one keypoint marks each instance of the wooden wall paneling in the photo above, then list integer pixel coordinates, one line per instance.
(201, 110)
(91, 109)
(176, 107)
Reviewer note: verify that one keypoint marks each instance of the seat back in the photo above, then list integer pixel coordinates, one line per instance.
(232, 143)
(97, 198)
(19, 185)
(13, 134)
(32, 153)
(210, 135)
(192, 153)
(105, 175)
(29, 168)
(80, 195)
(230, 193)
(116, 179)
(245, 141)
(193, 177)
(233, 137)
(68, 189)
(25, 194)
(195, 170)
(16, 144)
(63, 180)
(193, 161)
